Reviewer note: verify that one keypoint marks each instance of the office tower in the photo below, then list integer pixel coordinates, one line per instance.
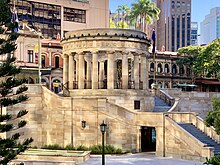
(173, 28)
(53, 16)
(210, 26)
(194, 33)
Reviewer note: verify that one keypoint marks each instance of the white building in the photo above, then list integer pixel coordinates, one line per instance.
(210, 26)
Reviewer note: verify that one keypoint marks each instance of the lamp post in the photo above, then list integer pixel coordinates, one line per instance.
(103, 129)
(39, 56)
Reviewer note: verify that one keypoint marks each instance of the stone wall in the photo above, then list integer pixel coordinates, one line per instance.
(199, 102)
(57, 120)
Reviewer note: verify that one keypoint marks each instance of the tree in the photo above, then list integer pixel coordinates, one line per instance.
(189, 56)
(213, 117)
(11, 88)
(204, 60)
(144, 11)
(123, 12)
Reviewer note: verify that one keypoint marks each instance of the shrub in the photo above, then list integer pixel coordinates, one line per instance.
(96, 149)
(82, 148)
(213, 117)
(214, 160)
(70, 147)
(53, 147)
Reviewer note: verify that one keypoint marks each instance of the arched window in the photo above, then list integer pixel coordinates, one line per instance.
(43, 61)
(174, 69)
(166, 68)
(159, 68)
(188, 72)
(181, 70)
(152, 67)
(57, 62)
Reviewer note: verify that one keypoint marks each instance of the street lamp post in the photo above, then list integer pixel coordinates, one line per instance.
(103, 129)
(39, 56)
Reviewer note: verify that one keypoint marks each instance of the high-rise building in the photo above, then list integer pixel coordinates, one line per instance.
(59, 16)
(173, 28)
(194, 33)
(210, 26)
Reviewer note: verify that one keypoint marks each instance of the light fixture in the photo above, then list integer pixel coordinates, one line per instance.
(83, 124)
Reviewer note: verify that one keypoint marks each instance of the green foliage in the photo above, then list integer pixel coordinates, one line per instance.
(123, 12)
(144, 11)
(95, 149)
(82, 148)
(204, 61)
(214, 160)
(11, 89)
(213, 117)
(53, 147)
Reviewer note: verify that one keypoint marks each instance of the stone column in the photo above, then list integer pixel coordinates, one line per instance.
(124, 70)
(94, 70)
(77, 67)
(71, 71)
(136, 70)
(144, 71)
(88, 71)
(101, 74)
(110, 71)
(81, 71)
(65, 69)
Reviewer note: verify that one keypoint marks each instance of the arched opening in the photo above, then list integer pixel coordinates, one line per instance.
(57, 62)
(181, 70)
(43, 61)
(166, 68)
(174, 69)
(152, 67)
(188, 73)
(150, 82)
(159, 68)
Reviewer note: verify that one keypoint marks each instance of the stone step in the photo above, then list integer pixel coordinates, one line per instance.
(198, 134)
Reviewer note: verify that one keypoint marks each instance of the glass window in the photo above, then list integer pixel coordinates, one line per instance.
(57, 62)
(30, 56)
(74, 15)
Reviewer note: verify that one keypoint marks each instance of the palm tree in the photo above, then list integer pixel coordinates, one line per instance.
(144, 11)
(123, 11)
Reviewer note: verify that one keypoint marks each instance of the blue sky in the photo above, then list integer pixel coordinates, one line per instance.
(200, 8)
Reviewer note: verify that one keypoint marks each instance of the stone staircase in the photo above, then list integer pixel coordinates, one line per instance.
(160, 105)
(201, 136)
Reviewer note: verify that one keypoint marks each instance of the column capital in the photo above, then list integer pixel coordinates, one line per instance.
(125, 52)
(111, 52)
(88, 57)
(94, 51)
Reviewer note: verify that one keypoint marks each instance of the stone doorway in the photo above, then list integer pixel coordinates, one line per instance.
(148, 139)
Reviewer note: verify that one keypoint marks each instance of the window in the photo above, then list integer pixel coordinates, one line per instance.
(30, 56)
(57, 62)
(74, 15)
(137, 104)
(152, 67)
(43, 61)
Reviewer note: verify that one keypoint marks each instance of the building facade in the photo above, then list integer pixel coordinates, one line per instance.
(210, 26)
(173, 29)
(53, 17)
(194, 33)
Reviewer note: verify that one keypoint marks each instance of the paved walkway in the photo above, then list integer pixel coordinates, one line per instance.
(138, 159)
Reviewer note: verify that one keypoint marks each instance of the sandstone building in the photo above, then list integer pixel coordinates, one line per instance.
(122, 99)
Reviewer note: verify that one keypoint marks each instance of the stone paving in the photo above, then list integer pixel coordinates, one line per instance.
(138, 159)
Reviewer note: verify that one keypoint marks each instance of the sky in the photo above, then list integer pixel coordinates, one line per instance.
(200, 8)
